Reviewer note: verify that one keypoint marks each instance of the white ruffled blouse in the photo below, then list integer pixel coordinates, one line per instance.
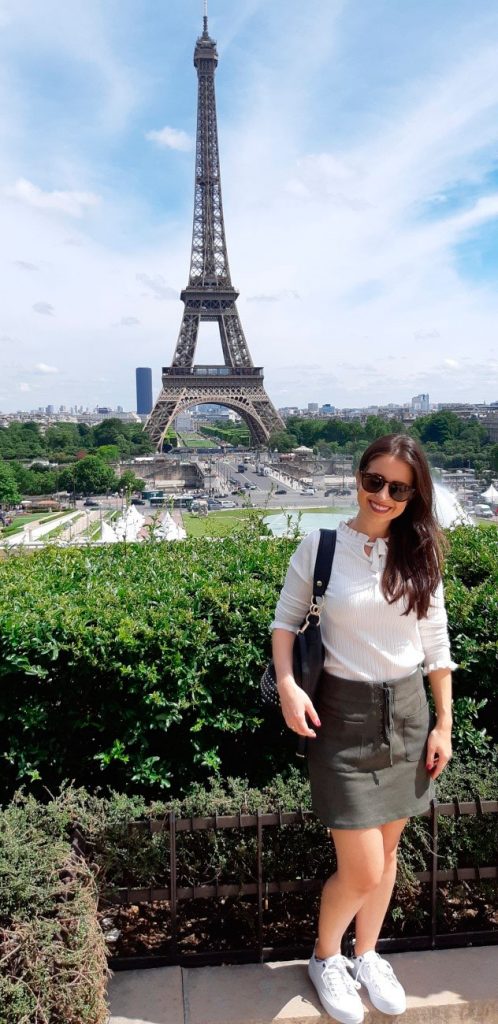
(364, 636)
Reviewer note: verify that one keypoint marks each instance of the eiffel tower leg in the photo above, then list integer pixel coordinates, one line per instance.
(187, 339)
(162, 416)
(234, 344)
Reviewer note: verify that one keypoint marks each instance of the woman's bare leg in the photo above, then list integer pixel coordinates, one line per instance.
(360, 869)
(371, 914)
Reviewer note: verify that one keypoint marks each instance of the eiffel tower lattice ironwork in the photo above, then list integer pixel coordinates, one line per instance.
(210, 294)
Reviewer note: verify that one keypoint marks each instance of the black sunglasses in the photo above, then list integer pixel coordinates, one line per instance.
(374, 482)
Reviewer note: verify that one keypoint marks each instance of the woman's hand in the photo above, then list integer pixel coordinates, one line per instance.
(295, 706)
(438, 750)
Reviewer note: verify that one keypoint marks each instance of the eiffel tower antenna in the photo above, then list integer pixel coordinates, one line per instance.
(210, 295)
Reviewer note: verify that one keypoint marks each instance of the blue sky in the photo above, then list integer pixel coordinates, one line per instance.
(359, 149)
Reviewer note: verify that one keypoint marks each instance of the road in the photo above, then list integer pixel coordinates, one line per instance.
(264, 494)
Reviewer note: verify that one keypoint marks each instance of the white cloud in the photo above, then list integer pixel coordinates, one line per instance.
(45, 308)
(171, 138)
(25, 265)
(73, 204)
(128, 321)
(45, 368)
(24, 387)
(157, 285)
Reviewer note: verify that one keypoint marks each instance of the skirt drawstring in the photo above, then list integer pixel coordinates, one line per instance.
(388, 717)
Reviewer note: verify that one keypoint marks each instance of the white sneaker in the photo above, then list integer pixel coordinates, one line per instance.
(337, 991)
(380, 981)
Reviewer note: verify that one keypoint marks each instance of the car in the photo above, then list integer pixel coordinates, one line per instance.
(137, 501)
(280, 490)
(331, 490)
(307, 490)
(483, 511)
(91, 504)
(214, 503)
(226, 503)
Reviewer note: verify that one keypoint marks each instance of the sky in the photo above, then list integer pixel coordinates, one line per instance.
(359, 163)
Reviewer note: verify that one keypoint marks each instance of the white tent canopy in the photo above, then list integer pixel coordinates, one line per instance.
(129, 524)
(168, 529)
(491, 494)
(107, 534)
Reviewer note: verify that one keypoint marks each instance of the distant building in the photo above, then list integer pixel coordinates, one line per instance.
(289, 410)
(313, 408)
(144, 390)
(420, 403)
(184, 423)
(327, 409)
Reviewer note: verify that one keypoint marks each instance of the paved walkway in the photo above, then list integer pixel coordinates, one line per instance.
(443, 987)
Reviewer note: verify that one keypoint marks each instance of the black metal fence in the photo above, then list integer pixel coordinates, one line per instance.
(261, 888)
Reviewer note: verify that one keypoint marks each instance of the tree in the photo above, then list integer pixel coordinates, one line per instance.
(93, 476)
(109, 453)
(62, 438)
(438, 427)
(9, 493)
(378, 426)
(112, 431)
(283, 441)
(22, 441)
(128, 482)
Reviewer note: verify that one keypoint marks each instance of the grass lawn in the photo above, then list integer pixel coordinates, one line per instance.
(194, 441)
(220, 523)
(215, 524)
(35, 517)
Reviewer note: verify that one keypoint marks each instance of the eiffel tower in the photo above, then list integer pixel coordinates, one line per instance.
(210, 295)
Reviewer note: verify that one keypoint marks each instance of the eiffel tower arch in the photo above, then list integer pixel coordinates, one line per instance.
(210, 295)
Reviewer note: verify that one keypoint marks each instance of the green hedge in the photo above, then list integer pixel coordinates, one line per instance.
(137, 667)
(471, 588)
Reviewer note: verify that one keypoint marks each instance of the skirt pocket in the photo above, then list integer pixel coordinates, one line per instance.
(416, 729)
(338, 745)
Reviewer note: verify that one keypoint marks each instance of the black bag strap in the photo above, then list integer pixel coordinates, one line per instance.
(323, 563)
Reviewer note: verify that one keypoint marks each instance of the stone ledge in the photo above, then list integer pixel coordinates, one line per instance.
(443, 987)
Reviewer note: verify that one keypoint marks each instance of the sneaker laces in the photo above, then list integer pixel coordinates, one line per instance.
(337, 977)
(373, 968)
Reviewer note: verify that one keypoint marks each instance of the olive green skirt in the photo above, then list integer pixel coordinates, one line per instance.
(367, 764)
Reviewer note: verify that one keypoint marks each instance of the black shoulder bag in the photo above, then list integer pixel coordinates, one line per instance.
(308, 653)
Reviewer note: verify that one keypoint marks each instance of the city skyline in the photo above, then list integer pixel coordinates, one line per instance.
(358, 160)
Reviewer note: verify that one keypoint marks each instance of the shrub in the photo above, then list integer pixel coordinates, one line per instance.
(52, 949)
(137, 667)
(471, 587)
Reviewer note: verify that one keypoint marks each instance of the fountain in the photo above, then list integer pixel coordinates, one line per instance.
(449, 512)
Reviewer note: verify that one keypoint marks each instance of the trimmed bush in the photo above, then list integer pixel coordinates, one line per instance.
(471, 588)
(137, 667)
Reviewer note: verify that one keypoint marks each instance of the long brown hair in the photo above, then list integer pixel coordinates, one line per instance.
(415, 549)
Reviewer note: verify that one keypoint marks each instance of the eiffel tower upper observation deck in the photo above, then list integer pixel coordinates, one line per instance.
(210, 294)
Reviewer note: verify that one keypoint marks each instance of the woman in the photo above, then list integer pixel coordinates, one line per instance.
(372, 752)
